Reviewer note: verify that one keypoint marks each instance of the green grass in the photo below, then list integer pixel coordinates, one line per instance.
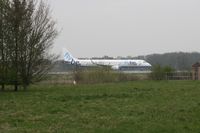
(131, 107)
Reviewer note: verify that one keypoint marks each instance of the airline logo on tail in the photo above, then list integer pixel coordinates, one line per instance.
(68, 57)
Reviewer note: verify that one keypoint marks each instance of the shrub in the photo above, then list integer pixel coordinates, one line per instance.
(159, 72)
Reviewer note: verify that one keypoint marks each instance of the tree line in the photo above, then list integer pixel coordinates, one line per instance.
(27, 32)
(180, 61)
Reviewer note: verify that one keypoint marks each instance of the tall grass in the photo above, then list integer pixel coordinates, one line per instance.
(103, 75)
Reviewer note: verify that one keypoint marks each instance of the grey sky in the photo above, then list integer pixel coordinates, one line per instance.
(126, 27)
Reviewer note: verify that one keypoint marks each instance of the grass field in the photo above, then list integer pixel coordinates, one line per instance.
(131, 107)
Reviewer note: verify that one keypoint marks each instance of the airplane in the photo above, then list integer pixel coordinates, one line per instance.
(115, 64)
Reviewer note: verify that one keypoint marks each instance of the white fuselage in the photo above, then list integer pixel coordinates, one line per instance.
(115, 64)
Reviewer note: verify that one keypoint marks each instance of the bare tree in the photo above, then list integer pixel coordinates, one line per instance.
(31, 32)
(1, 42)
(3, 48)
(40, 40)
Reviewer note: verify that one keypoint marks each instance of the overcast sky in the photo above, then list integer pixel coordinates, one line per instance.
(126, 27)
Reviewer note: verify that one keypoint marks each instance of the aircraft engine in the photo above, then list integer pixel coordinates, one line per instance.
(115, 67)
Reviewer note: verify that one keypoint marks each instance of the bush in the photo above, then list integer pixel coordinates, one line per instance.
(159, 72)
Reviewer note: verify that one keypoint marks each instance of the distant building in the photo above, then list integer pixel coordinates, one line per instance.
(196, 71)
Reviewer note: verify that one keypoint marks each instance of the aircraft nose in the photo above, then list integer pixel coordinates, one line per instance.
(148, 64)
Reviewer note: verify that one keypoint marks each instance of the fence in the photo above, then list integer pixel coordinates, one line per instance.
(68, 78)
(179, 76)
(58, 78)
(93, 76)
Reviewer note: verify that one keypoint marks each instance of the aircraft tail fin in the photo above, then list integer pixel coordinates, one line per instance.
(68, 57)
